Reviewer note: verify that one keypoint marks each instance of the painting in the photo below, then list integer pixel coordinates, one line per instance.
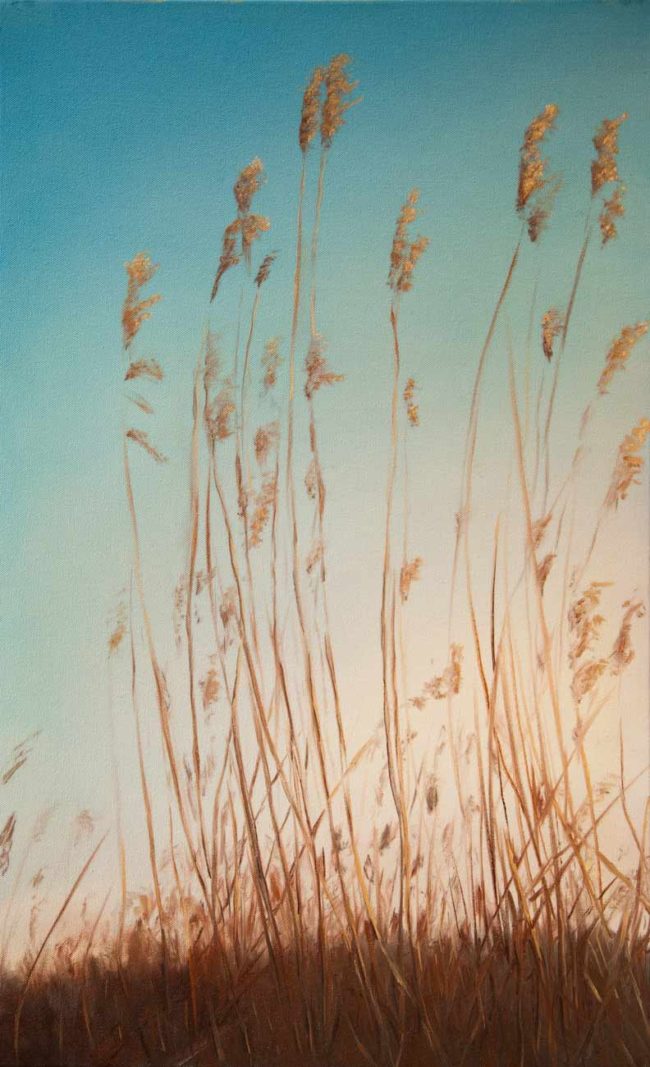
(325, 736)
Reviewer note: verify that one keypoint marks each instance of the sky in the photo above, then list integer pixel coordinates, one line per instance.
(123, 127)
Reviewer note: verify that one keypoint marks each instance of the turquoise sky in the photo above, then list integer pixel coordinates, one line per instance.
(123, 127)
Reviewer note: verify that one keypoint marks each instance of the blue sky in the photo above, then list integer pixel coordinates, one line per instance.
(123, 127)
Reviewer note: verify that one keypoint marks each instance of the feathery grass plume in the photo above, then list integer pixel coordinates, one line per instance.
(622, 653)
(140, 270)
(613, 208)
(210, 688)
(248, 183)
(230, 257)
(412, 408)
(409, 573)
(6, 842)
(144, 368)
(311, 480)
(586, 677)
(264, 502)
(619, 353)
(142, 439)
(431, 794)
(404, 254)
(265, 268)
(140, 402)
(585, 621)
(271, 361)
(18, 758)
(118, 631)
(443, 685)
(314, 557)
(337, 88)
(210, 362)
(536, 190)
(604, 167)
(253, 226)
(310, 114)
(539, 529)
(544, 569)
(317, 370)
(219, 413)
(266, 439)
(552, 323)
(628, 464)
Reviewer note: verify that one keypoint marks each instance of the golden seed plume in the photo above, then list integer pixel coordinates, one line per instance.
(544, 569)
(443, 685)
(210, 362)
(604, 167)
(619, 353)
(405, 254)
(552, 323)
(265, 269)
(409, 573)
(271, 361)
(219, 413)
(622, 653)
(317, 370)
(140, 270)
(613, 208)
(585, 621)
(253, 226)
(209, 688)
(337, 88)
(247, 185)
(139, 437)
(266, 438)
(229, 255)
(628, 464)
(263, 504)
(412, 409)
(314, 557)
(310, 114)
(119, 630)
(144, 368)
(535, 189)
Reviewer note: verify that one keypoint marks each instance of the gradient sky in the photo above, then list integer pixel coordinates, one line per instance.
(123, 127)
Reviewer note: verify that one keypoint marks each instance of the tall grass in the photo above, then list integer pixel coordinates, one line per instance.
(282, 927)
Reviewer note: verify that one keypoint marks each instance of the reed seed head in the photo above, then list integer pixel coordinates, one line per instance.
(536, 190)
(139, 437)
(552, 323)
(619, 353)
(412, 408)
(264, 504)
(604, 167)
(337, 88)
(409, 573)
(140, 270)
(266, 438)
(144, 368)
(318, 373)
(629, 464)
(404, 253)
(271, 361)
(265, 269)
(219, 413)
(623, 653)
(613, 208)
(248, 184)
(310, 115)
